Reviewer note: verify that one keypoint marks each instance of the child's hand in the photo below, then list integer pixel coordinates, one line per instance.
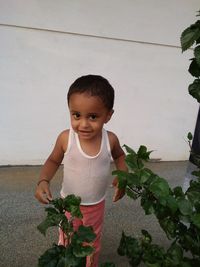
(43, 193)
(119, 193)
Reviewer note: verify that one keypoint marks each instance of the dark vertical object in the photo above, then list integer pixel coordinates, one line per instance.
(193, 162)
(196, 140)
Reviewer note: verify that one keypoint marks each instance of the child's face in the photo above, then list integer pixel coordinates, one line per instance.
(88, 115)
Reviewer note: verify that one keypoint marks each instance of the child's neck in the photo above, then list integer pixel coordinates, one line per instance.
(92, 146)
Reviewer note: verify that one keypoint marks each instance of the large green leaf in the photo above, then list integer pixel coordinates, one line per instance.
(85, 234)
(159, 187)
(169, 227)
(197, 54)
(130, 247)
(82, 251)
(189, 36)
(72, 204)
(132, 162)
(145, 174)
(51, 257)
(194, 89)
(172, 204)
(185, 206)
(193, 196)
(147, 204)
(175, 255)
(194, 68)
(51, 220)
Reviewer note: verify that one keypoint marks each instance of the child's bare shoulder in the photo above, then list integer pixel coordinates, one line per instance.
(113, 139)
(115, 147)
(63, 139)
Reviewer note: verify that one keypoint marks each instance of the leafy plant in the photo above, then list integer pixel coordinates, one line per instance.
(178, 214)
(190, 37)
(78, 247)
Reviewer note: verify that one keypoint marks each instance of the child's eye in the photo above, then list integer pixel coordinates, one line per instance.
(76, 115)
(93, 117)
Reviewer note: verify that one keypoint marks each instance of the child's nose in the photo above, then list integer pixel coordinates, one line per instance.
(84, 123)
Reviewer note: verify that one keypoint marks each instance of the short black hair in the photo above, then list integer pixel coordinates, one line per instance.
(94, 85)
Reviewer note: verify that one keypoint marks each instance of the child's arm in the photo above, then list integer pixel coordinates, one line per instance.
(119, 159)
(43, 193)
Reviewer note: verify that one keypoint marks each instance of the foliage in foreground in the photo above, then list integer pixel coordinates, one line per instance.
(178, 214)
(74, 255)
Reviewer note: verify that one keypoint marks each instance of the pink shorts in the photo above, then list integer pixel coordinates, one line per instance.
(93, 215)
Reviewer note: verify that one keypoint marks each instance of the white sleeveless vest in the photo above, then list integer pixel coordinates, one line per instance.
(86, 176)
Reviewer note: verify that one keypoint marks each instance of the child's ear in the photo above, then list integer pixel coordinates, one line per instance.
(110, 113)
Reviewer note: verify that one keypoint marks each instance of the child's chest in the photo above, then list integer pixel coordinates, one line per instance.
(91, 148)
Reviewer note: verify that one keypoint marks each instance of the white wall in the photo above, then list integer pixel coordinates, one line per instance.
(47, 44)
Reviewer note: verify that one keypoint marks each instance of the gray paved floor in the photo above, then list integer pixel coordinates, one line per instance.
(21, 243)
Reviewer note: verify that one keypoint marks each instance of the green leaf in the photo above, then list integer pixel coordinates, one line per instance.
(72, 204)
(122, 178)
(147, 205)
(129, 150)
(196, 173)
(85, 234)
(145, 174)
(143, 153)
(159, 187)
(196, 220)
(169, 227)
(153, 256)
(194, 89)
(82, 251)
(178, 192)
(190, 136)
(172, 204)
(189, 36)
(58, 204)
(130, 247)
(184, 206)
(175, 253)
(72, 200)
(132, 161)
(51, 257)
(75, 211)
(122, 246)
(197, 54)
(72, 260)
(193, 196)
(51, 220)
(194, 68)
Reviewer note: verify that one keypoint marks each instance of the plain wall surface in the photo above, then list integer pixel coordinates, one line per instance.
(45, 45)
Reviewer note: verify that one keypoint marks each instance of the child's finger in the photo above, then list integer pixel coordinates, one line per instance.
(115, 181)
(119, 193)
(48, 195)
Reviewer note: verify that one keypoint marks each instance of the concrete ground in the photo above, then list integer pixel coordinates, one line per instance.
(20, 242)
